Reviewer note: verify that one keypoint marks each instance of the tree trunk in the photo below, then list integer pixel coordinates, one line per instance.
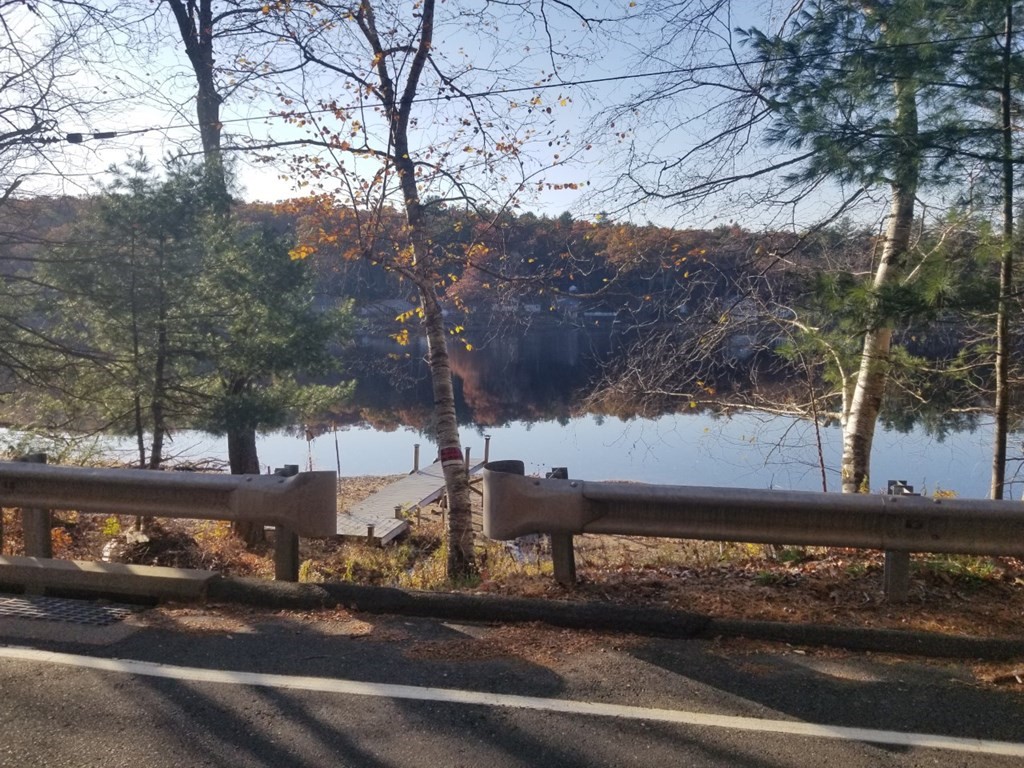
(195, 24)
(159, 395)
(461, 562)
(242, 456)
(140, 426)
(244, 460)
(156, 406)
(140, 431)
(1003, 351)
(866, 401)
(398, 108)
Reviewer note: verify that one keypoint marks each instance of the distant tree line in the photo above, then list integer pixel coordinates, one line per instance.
(699, 317)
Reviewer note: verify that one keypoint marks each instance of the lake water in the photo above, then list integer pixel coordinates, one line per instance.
(746, 450)
(523, 392)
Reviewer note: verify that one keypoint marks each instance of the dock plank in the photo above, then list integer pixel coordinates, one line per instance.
(416, 489)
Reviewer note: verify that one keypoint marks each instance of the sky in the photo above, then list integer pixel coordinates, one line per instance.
(146, 82)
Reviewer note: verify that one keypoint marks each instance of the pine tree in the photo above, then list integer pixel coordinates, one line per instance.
(179, 317)
(121, 302)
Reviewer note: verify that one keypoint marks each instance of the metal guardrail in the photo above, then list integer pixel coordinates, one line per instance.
(515, 505)
(303, 504)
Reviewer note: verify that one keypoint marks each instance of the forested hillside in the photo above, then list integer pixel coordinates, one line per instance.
(700, 318)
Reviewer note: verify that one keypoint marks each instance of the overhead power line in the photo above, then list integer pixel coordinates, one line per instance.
(78, 138)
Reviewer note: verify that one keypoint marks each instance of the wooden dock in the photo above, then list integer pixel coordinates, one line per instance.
(374, 517)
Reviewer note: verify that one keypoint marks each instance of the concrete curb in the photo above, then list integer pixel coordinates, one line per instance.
(600, 616)
(48, 575)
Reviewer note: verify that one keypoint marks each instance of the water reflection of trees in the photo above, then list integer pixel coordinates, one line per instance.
(523, 375)
(556, 373)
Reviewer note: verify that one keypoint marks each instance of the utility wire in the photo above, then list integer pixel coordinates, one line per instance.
(78, 138)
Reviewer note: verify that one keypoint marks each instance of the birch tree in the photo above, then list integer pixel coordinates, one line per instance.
(403, 111)
(856, 86)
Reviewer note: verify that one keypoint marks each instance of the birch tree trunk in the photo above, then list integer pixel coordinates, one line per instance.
(456, 478)
(866, 401)
(397, 98)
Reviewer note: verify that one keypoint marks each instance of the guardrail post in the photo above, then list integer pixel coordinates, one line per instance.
(896, 576)
(36, 523)
(563, 556)
(286, 542)
(286, 554)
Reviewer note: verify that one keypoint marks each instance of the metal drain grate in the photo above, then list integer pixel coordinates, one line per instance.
(61, 609)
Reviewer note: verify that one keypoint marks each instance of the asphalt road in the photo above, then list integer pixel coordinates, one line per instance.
(264, 689)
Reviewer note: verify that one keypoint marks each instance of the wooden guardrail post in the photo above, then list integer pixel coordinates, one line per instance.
(286, 554)
(36, 523)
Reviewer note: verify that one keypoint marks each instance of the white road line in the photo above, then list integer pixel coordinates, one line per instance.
(454, 696)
